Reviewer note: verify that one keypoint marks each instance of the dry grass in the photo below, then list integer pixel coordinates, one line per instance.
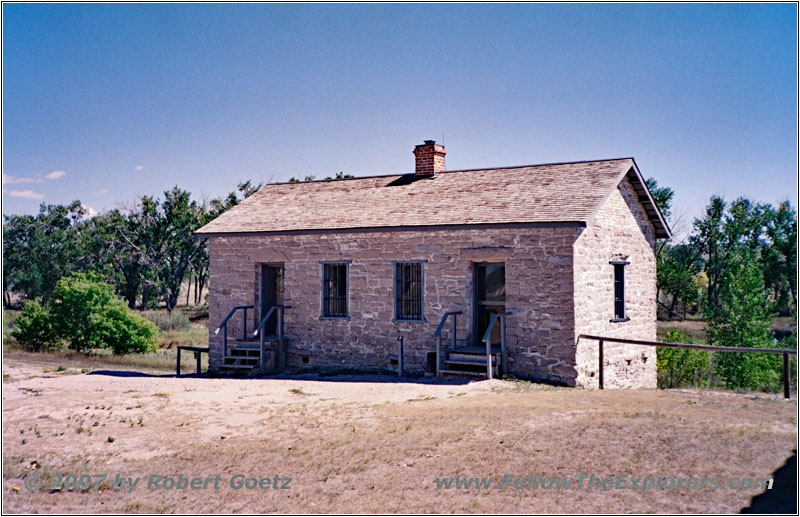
(377, 446)
(698, 329)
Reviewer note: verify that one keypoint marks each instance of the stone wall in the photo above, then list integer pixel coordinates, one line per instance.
(621, 230)
(559, 284)
(539, 290)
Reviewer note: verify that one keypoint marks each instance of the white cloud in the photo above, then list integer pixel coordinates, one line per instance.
(90, 212)
(138, 167)
(13, 180)
(55, 175)
(103, 191)
(26, 194)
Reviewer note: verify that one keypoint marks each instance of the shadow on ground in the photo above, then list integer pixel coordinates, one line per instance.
(131, 373)
(783, 496)
(323, 377)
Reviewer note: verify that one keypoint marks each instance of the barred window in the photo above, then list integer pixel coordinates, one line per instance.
(619, 290)
(334, 290)
(408, 291)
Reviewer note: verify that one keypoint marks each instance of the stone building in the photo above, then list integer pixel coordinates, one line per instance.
(563, 249)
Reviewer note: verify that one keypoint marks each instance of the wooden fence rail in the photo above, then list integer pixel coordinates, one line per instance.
(784, 351)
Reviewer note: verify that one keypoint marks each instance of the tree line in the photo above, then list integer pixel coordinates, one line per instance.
(692, 275)
(736, 270)
(146, 251)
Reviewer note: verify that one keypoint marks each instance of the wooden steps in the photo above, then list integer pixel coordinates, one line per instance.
(242, 359)
(470, 362)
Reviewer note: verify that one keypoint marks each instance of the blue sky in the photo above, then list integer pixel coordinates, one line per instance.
(106, 102)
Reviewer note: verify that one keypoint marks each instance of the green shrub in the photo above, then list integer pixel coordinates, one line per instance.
(86, 312)
(682, 367)
(76, 298)
(35, 328)
(166, 321)
(116, 327)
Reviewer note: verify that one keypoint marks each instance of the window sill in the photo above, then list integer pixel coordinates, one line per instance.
(619, 320)
(423, 320)
(336, 318)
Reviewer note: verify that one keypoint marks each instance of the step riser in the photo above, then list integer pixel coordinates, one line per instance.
(470, 362)
(459, 373)
(249, 364)
(460, 356)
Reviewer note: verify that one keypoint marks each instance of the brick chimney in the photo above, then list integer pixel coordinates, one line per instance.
(429, 158)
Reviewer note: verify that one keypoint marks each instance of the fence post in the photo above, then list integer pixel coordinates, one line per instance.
(178, 366)
(600, 365)
(786, 376)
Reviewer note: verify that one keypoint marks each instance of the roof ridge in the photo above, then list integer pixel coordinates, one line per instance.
(550, 164)
(398, 174)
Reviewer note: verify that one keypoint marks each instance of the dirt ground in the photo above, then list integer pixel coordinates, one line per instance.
(371, 444)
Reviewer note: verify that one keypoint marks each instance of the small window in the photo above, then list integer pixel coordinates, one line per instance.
(334, 290)
(408, 291)
(619, 291)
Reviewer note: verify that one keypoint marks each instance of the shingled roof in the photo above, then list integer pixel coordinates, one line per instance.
(550, 193)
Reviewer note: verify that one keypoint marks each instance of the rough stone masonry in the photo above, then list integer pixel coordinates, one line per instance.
(559, 284)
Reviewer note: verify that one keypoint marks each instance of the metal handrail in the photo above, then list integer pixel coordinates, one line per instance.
(438, 336)
(488, 340)
(224, 325)
(281, 355)
(272, 309)
(225, 321)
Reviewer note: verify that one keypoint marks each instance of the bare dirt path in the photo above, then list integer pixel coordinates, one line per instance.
(370, 444)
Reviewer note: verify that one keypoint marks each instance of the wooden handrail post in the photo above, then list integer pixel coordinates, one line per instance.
(400, 356)
(261, 343)
(455, 328)
(438, 354)
(489, 358)
(503, 355)
(786, 376)
(281, 351)
(244, 324)
(600, 363)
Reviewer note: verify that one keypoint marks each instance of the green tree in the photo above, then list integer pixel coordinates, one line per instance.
(40, 249)
(107, 239)
(675, 280)
(724, 232)
(212, 210)
(779, 257)
(741, 318)
(181, 217)
(662, 196)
